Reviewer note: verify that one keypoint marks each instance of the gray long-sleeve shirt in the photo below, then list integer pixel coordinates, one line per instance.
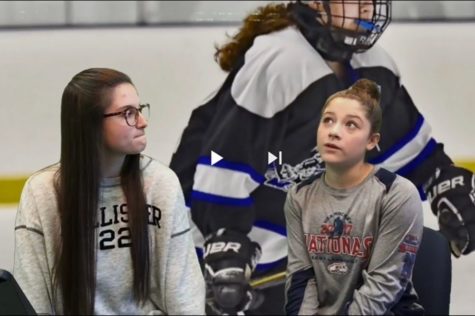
(177, 285)
(351, 251)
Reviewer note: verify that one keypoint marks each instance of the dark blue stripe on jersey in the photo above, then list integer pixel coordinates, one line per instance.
(265, 267)
(352, 74)
(296, 291)
(217, 199)
(426, 152)
(386, 177)
(206, 160)
(410, 136)
(272, 227)
(422, 194)
(199, 252)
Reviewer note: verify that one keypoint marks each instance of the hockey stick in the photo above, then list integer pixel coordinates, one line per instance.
(268, 281)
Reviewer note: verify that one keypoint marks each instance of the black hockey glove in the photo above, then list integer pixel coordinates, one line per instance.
(451, 193)
(229, 260)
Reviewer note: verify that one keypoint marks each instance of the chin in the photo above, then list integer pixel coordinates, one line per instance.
(137, 150)
(139, 147)
(330, 159)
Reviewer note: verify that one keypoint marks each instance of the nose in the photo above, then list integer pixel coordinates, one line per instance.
(141, 121)
(334, 131)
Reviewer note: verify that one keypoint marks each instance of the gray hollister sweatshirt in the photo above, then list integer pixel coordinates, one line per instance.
(177, 285)
(351, 251)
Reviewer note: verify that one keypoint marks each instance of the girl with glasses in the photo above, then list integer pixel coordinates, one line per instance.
(105, 230)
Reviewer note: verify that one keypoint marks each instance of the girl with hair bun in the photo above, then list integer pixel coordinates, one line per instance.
(353, 231)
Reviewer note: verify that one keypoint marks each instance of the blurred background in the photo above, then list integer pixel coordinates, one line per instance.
(15, 14)
(167, 48)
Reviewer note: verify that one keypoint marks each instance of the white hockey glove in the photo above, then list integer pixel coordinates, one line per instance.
(451, 193)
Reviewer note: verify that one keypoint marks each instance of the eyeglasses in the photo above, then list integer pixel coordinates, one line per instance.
(131, 114)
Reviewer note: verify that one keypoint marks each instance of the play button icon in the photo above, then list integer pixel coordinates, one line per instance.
(215, 158)
(271, 158)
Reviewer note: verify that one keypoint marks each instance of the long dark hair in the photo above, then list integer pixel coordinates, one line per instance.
(263, 20)
(83, 103)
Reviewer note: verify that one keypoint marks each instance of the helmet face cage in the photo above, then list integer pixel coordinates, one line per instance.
(359, 29)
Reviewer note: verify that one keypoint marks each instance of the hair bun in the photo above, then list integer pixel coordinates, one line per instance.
(369, 87)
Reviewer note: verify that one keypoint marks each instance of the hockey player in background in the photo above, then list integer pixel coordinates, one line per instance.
(283, 63)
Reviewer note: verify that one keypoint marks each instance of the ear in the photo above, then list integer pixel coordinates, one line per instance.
(373, 140)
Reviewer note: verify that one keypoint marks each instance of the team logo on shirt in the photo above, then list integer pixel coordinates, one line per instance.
(336, 225)
(285, 176)
(409, 244)
(334, 239)
(338, 268)
(409, 247)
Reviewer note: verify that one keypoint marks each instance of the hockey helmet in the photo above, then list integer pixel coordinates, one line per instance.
(339, 28)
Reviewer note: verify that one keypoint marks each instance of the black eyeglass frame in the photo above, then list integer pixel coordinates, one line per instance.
(123, 113)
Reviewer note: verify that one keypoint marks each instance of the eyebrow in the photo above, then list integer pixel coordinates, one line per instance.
(123, 107)
(353, 116)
